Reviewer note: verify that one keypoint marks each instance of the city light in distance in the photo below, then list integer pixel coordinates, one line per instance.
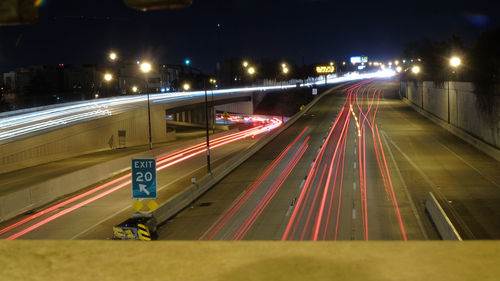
(245, 64)
(415, 69)
(134, 89)
(186, 86)
(399, 69)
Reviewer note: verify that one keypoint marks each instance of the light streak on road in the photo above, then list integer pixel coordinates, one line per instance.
(125, 180)
(28, 121)
(237, 204)
(321, 195)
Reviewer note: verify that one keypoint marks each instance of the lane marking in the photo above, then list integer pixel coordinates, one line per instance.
(353, 214)
(405, 187)
(470, 165)
(434, 187)
(302, 184)
(354, 165)
(354, 186)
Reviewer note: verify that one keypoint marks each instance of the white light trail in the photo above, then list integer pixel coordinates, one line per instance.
(17, 123)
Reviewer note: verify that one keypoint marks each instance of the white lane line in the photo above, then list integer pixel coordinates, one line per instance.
(354, 186)
(434, 187)
(353, 213)
(128, 207)
(354, 165)
(302, 184)
(289, 211)
(405, 187)
(355, 150)
(468, 164)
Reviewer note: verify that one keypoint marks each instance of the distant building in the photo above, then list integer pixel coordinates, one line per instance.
(46, 84)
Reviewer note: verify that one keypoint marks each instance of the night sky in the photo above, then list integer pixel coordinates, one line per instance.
(83, 31)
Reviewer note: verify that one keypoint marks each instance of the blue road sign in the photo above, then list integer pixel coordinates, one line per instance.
(143, 178)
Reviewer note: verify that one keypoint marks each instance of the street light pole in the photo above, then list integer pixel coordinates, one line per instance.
(145, 68)
(149, 117)
(206, 127)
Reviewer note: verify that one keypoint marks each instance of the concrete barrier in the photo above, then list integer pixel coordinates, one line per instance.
(194, 191)
(440, 219)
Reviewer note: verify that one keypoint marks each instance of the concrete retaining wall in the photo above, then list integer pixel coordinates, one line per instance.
(454, 103)
(440, 219)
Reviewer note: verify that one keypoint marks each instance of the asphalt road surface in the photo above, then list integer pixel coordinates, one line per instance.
(91, 213)
(357, 166)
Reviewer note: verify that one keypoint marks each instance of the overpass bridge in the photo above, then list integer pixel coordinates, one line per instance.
(30, 137)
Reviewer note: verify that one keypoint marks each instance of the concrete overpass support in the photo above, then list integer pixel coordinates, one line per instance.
(244, 107)
(112, 132)
(192, 116)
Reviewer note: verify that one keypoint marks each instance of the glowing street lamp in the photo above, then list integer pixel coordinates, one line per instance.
(415, 69)
(108, 77)
(186, 86)
(112, 56)
(285, 70)
(251, 70)
(455, 62)
(145, 67)
(399, 69)
(245, 64)
(135, 89)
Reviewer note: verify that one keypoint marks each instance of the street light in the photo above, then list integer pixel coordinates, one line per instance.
(399, 69)
(134, 89)
(113, 56)
(251, 70)
(285, 70)
(245, 64)
(108, 77)
(186, 86)
(145, 68)
(415, 69)
(455, 62)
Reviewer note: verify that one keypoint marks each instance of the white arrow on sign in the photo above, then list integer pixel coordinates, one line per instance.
(142, 188)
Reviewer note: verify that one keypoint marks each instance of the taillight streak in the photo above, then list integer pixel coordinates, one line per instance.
(217, 143)
(236, 205)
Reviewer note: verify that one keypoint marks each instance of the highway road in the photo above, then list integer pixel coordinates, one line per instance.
(357, 166)
(91, 213)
